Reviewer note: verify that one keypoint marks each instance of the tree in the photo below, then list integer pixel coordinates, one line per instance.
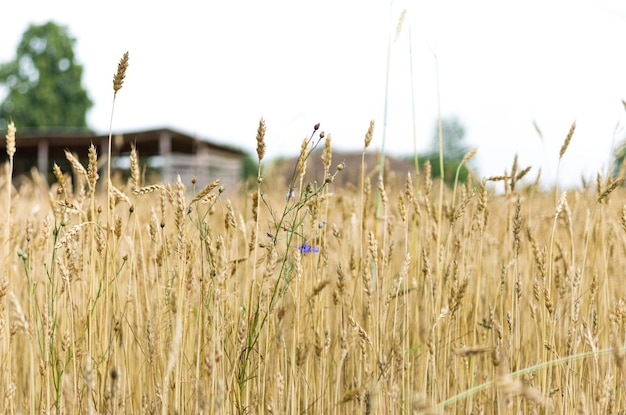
(619, 152)
(454, 149)
(453, 134)
(44, 81)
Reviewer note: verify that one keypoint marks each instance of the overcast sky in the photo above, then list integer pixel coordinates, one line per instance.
(214, 68)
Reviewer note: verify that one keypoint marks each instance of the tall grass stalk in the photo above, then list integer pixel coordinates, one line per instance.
(441, 167)
(10, 149)
(413, 108)
(386, 100)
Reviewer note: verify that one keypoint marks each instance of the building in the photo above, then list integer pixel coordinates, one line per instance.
(164, 153)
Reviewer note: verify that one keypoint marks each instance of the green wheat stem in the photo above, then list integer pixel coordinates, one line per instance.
(474, 390)
(381, 170)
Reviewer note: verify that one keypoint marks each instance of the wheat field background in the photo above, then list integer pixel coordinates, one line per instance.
(385, 297)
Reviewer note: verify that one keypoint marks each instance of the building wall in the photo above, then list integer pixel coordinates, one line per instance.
(205, 167)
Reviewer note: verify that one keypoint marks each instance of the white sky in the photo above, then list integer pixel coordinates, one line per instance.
(213, 68)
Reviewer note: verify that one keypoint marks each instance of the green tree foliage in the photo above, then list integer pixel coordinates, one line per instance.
(44, 81)
(453, 134)
(454, 149)
(250, 167)
(619, 154)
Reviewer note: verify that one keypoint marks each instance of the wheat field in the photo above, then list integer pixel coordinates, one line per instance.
(388, 296)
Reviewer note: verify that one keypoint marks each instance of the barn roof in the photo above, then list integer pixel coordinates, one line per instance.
(147, 141)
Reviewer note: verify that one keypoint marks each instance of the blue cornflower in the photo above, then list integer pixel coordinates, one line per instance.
(307, 249)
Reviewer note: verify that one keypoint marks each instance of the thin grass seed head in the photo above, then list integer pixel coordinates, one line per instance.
(567, 140)
(92, 168)
(469, 155)
(517, 226)
(381, 190)
(498, 178)
(522, 173)
(11, 139)
(149, 189)
(538, 130)
(610, 187)
(260, 140)
(408, 186)
(117, 195)
(560, 204)
(369, 135)
(327, 154)
(135, 178)
(207, 189)
(118, 78)
(4, 287)
(58, 174)
(302, 158)
(428, 180)
(76, 164)
(402, 208)
(400, 24)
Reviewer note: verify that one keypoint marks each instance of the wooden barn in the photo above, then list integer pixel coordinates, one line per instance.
(164, 153)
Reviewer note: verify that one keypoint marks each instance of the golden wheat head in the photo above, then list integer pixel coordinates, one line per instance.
(118, 78)
(11, 139)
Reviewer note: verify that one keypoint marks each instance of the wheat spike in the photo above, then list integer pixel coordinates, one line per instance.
(369, 135)
(135, 177)
(302, 158)
(260, 140)
(202, 193)
(76, 164)
(567, 140)
(611, 186)
(469, 155)
(92, 168)
(148, 189)
(400, 24)
(118, 78)
(327, 154)
(11, 139)
(117, 194)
